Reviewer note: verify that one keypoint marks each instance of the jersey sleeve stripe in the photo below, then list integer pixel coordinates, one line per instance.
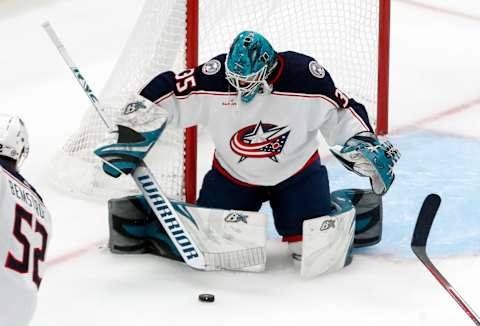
(323, 97)
(164, 97)
(359, 118)
(194, 93)
(206, 93)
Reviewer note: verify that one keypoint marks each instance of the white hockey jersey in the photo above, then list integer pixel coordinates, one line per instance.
(272, 137)
(24, 234)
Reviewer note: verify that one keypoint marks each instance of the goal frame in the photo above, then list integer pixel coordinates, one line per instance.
(190, 152)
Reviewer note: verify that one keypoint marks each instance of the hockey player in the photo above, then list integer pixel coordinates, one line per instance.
(24, 229)
(263, 110)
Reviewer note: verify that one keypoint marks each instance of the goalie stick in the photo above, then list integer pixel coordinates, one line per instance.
(419, 241)
(143, 177)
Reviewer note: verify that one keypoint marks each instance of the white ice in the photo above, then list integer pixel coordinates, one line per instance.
(434, 114)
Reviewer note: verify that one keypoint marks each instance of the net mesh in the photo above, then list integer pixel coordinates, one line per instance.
(341, 34)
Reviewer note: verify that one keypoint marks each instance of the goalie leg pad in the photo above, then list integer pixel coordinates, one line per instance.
(232, 240)
(134, 229)
(328, 240)
(229, 239)
(368, 215)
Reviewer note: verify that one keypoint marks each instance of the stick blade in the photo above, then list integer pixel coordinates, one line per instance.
(425, 220)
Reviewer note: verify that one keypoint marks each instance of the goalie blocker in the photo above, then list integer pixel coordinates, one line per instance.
(236, 240)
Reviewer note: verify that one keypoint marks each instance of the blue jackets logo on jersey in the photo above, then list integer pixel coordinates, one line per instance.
(259, 141)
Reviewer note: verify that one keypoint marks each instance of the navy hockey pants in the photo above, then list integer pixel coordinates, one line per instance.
(302, 196)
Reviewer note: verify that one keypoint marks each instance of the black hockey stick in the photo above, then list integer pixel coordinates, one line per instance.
(419, 241)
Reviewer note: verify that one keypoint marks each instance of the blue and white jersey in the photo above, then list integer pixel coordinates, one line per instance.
(24, 234)
(274, 136)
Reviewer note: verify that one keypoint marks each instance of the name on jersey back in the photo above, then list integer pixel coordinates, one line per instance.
(24, 194)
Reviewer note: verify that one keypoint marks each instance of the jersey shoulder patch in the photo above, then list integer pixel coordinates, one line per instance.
(316, 69)
(210, 76)
(211, 67)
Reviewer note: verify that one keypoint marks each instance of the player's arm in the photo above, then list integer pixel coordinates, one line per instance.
(142, 121)
(347, 128)
(168, 98)
(185, 95)
(345, 116)
(176, 94)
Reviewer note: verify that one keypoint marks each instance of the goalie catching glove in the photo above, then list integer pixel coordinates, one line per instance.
(367, 156)
(136, 131)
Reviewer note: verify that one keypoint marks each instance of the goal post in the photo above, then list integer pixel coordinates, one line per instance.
(191, 133)
(383, 67)
(350, 38)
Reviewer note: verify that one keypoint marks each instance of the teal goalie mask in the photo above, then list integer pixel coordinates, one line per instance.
(249, 62)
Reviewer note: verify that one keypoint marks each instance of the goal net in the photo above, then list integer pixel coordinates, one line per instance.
(343, 35)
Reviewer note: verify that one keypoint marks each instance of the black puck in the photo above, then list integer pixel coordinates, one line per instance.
(206, 297)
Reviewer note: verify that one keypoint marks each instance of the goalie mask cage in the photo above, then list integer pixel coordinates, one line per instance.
(350, 38)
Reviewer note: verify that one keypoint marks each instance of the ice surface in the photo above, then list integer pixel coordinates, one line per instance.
(434, 69)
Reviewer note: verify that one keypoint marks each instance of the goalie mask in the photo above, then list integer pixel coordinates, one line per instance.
(13, 138)
(249, 62)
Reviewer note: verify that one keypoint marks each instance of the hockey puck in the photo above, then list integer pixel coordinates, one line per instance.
(206, 297)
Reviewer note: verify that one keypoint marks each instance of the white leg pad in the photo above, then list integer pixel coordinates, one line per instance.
(327, 241)
(232, 240)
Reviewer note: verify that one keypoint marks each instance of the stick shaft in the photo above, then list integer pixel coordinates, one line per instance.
(422, 256)
(68, 60)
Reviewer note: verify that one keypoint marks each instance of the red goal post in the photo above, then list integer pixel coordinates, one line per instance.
(191, 133)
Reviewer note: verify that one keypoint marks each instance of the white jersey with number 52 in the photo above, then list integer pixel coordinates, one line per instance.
(24, 234)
